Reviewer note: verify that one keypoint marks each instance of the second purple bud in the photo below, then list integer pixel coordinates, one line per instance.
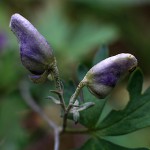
(103, 77)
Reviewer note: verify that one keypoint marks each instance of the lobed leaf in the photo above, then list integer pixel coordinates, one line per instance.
(89, 117)
(135, 116)
(100, 144)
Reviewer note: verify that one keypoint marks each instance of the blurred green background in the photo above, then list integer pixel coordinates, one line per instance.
(76, 29)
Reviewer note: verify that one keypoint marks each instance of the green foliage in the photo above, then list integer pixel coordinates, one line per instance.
(106, 3)
(76, 39)
(135, 116)
(10, 71)
(12, 135)
(90, 117)
(100, 144)
(101, 54)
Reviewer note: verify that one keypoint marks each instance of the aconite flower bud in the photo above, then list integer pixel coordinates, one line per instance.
(36, 54)
(103, 77)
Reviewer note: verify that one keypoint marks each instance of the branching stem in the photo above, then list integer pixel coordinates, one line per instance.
(58, 84)
(66, 109)
(60, 94)
(71, 102)
(24, 89)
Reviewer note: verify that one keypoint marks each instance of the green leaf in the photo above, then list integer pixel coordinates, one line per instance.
(136, 91)
(90, 117)
(101, 54)
(100, 144)
(135, 116)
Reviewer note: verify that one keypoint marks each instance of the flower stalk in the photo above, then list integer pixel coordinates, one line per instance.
(58, 84)
(71, 102)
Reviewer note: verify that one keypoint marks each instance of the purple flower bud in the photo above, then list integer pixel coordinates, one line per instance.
(103, 77)
(36, 53)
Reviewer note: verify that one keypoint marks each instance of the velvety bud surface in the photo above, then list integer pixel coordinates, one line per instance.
(36, 53)
(103, 77)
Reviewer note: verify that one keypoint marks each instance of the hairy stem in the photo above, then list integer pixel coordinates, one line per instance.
(58, 84)
(71, 102)
(73, 98)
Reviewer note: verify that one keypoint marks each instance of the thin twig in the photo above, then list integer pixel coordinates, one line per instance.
(58, 84)
(71, 102)
(24, 89)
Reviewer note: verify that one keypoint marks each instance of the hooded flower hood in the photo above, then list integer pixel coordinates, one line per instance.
(36, 54)
(103, 77)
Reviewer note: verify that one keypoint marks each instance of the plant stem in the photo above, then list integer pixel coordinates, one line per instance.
(24, 89)
(58, 84)
(71, 102)
(73, 98)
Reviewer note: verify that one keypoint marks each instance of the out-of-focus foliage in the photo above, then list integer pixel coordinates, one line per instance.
(74, 39)
(12, 135)
(75, 29)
